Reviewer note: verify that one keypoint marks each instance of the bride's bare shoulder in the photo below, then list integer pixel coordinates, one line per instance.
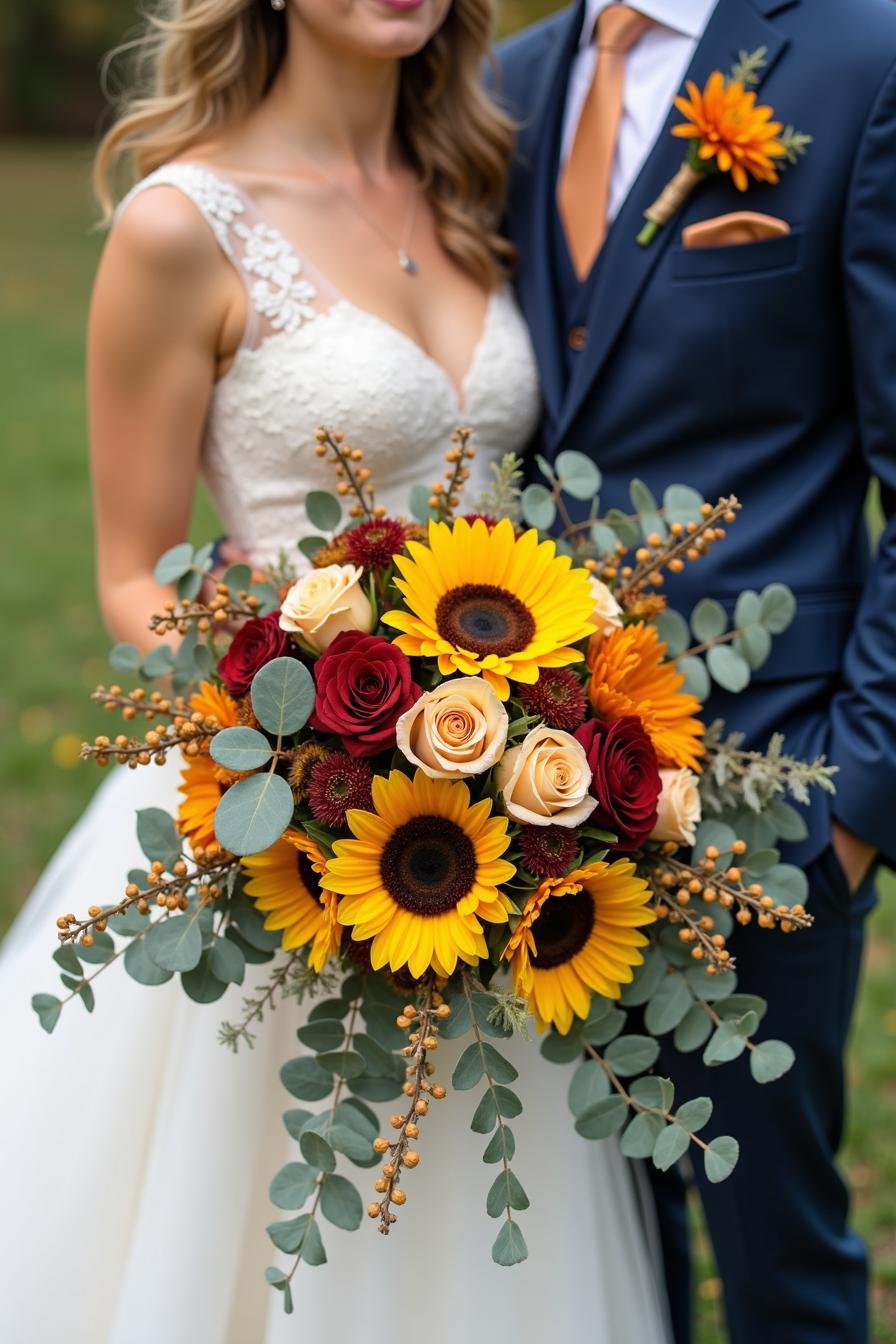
(160, 228)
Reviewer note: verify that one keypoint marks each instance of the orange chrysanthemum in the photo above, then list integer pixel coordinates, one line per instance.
(629, 676)
(579, 935)
(203, 782)
(740, 136)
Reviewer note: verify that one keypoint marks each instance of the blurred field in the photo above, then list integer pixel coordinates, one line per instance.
(54, 651)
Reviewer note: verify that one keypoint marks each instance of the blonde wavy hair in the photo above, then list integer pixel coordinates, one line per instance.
(201, 65)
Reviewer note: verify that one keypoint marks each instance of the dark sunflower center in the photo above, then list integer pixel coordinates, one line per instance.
(562, 929)
(307, 876)
(484, 619)
(428, 865)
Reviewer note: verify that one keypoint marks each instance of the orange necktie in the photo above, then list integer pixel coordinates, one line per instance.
(584, 188)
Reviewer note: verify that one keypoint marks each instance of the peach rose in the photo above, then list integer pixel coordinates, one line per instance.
(607, 613)
(326, 602)
(678, 810)
(546, 780)
(457, 729)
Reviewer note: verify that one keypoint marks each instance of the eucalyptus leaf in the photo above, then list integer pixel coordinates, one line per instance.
(777, 608)
(48, 1007)
(299, 1235)
(486, 1114)
(725, 1045)
(189, 585)
(747, 609)
(418, 503)
(628, 1055)
(327, 1034)
(579, 475)
(606, 1029)
(694, 1114)
(158, 837)
(240, 749)
(378, 1062)
(510, 1245)
(305, 1079)
(771, 1060)
(343, 1063)
(175, 943)
(736, 1006)
(309, 546)
(754, 644)
(673, 631)
(711, 987)
(655, 1092)
(603, 1118)
(709, 620)
(562, 1049)
(538, 507)
(786, 884)
(696, 677)
(316, 1151)
(670, 1147)
(296, 1120)
(626, 530)
(501, 1147)
(682, 504)
(506, 1192)
(720, 1158)
(227, 962)
(238, 578)
(589, 1085)
(728, 668)
(639, 1139)
(469, 1069)
(508, 1103)
(201, 984)
(340, 1203)
(788, 822)
(693, 1031)
(323, 510)
(125, 658)
(647, 979)
(158, 663)
(604, 538)
(66, 957)
(141, 967)
(292, 1185)
(668, 1006)
(715, 833)
(174, 563)
(375, 1089)
(282, 696)
(253, 814)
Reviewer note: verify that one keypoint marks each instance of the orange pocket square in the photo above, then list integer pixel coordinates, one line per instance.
(743, 226)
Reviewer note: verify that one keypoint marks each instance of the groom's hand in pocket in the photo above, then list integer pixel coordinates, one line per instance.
(854, 855)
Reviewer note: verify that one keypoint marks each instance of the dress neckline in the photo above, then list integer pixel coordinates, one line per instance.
(459, 392)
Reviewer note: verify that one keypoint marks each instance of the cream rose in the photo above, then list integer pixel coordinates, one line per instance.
(607, 613)
(678, 810)
(324, 603)
(546, 780)
(458, 729)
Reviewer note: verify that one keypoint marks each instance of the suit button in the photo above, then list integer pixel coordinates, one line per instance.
(577, 338)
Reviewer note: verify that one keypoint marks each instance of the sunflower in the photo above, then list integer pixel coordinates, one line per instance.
(422, 873)
(629, 676)
(740, 136)
(578, 936)
(284, 881)
(203, 782)
(486, 602)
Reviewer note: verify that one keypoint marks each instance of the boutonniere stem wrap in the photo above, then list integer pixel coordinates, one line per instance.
(728, 133)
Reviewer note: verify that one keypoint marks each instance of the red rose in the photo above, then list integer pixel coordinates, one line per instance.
(364, 685)
(254, 644)
(625, 778)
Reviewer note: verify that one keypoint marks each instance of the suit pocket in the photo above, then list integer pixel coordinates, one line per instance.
(745, 260)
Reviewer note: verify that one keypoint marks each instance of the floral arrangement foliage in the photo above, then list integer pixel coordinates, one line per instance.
(454, 777)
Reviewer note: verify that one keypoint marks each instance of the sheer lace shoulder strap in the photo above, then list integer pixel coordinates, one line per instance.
(281, 295)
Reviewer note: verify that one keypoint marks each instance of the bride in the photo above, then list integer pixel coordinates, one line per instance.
(312, 237)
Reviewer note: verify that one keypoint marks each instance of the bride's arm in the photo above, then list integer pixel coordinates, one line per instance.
(161, 301)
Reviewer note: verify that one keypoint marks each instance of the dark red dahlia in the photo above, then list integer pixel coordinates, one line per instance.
(374, 544)
(337, 783)
(489, 521)
(558, 696)
(548, 851)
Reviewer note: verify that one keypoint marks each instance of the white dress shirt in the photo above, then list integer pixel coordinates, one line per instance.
(654, 69)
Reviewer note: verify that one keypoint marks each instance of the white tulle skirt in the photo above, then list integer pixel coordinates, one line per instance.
(137, 1153)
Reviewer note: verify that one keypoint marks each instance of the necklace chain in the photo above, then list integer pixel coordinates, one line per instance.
(401, 249)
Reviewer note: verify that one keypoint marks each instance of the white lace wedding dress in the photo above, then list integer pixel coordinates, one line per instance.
(137, 1151)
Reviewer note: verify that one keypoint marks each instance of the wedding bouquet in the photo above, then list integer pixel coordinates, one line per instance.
(452, 778)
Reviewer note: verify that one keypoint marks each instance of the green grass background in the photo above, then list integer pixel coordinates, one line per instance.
(54, 648)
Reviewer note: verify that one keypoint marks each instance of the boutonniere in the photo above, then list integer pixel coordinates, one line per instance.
(728, 133)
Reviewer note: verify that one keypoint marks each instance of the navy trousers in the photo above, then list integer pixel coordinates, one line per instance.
(794, 1272)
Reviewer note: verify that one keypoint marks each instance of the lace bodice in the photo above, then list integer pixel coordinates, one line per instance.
(310, 356)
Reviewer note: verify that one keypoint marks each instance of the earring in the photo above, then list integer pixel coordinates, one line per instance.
(278, 4)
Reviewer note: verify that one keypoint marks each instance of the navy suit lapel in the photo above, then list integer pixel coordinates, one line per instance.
(538, 148)
(623, 266)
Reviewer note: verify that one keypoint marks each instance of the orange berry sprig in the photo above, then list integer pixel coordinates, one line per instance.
(685, 542)
(422, 1020)
(353, 478)
(189, 730)
(446, 500)
(171, 892)
(222, 609)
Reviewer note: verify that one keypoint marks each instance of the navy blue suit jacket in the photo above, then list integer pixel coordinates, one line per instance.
(767, 369)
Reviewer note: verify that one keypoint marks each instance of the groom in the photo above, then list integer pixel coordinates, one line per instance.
(755, 357)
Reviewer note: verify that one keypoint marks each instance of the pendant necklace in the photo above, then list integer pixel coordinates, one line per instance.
(401, 249)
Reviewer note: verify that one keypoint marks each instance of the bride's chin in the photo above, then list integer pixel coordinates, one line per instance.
(399, 28)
